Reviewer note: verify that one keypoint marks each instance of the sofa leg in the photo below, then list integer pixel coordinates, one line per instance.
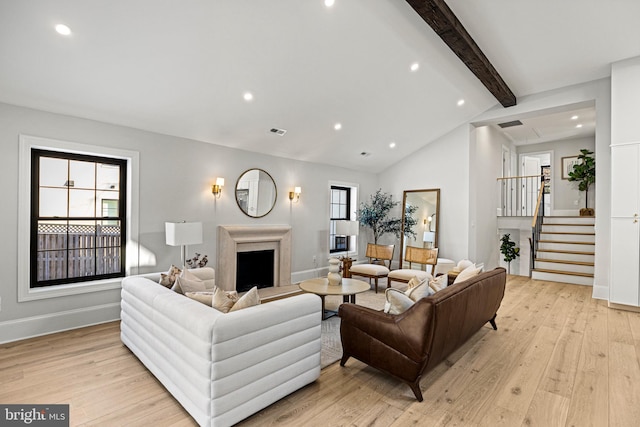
(415, 387)
(493, 323)
(344, 359)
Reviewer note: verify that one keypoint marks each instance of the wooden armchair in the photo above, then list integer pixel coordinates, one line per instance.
(372, 270)
(415, 255)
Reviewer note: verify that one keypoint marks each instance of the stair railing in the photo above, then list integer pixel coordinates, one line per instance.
(517, 195)
(536, 228)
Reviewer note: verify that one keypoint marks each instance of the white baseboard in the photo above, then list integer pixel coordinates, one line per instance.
(35, 326)
(600, 292)
(299, 276)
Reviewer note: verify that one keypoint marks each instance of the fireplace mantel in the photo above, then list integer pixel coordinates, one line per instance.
(244, 238)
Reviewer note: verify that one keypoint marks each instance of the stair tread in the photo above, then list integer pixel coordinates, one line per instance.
(568, 232)
(561, 261)
(567, 273)
(568, 216)
(562, 224)
(565, 242)
(557, 251)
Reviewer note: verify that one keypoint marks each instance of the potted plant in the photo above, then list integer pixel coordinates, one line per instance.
(509, 250)
(374, 215)
(584, 173)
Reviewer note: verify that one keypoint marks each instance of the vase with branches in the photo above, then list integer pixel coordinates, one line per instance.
(374, 214)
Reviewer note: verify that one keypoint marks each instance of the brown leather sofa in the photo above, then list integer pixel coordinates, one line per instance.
(409, 344)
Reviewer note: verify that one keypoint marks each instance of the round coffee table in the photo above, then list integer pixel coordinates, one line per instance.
(348, 289)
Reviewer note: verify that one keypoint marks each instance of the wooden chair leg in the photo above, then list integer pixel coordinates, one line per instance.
(376, 282)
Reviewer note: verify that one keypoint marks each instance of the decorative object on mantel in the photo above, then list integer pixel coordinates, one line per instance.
(216, 189)
(334, 276)
(183, 234)
(295, 194)
(197, 262)
(584, 173)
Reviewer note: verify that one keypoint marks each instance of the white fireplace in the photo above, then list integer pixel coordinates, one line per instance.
(246, 238)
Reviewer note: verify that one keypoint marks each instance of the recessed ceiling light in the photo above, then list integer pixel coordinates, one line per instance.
(248, 96)
(579, 125)
(574, 117)
(414, 67)
(63, 29)
(392, 145)
(337, 126)
(329, 3)
(460, 102)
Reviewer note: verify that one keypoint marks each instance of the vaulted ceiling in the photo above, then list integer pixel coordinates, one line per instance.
(183, 68)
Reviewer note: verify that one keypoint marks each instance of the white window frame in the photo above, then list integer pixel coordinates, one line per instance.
(27, 143)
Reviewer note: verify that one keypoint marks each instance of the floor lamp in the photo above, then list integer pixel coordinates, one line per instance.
(183, 234)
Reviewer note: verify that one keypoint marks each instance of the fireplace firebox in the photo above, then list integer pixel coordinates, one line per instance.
(254, 268)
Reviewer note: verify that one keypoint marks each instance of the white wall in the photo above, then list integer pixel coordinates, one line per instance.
(175, 184)
(485, 167)
(567, 199)
(441, 164)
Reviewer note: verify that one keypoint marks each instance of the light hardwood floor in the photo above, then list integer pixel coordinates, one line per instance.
(558, 358)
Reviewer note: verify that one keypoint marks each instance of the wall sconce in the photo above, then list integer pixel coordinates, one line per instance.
(295, 194)
(216, 189)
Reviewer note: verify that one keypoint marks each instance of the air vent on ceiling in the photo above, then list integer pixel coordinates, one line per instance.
(510, 124)
(279, 131)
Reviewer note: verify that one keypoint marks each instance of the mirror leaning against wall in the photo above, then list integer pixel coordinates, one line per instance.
(425, 216)
(256, 193)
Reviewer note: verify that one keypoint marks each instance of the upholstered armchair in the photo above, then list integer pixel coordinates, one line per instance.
(414, 255)
(372, 270)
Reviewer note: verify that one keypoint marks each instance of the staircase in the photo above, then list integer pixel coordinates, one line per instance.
(566, 250)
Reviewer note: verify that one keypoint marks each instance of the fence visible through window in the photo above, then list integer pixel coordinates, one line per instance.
(73, 251)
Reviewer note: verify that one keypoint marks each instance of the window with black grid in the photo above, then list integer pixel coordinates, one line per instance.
(340, 205)
(78, 227)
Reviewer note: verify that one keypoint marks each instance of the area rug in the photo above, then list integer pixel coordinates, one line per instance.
(331, 345)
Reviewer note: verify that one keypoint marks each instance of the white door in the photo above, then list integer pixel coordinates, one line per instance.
(529, 186)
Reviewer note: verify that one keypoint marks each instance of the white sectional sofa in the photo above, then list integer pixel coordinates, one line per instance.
(221, 367)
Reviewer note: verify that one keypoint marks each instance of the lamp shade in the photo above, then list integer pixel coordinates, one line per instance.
(183, 233)
(429, 236)
(347, 228)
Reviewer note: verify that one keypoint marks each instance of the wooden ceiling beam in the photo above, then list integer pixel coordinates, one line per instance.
(444, 22)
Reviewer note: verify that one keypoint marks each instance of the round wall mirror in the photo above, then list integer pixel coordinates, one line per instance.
(256, 193)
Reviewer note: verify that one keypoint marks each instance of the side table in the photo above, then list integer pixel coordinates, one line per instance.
(346, 267)
(348, 290)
